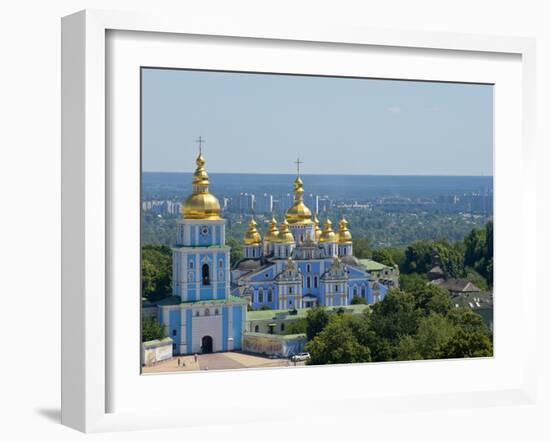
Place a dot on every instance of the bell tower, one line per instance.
(201, 258)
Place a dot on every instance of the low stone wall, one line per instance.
(273, 345)
(156, 351)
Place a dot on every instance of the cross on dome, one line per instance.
(200, 141)
(298, 162)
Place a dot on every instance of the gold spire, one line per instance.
(252, 236)
(299, 213)
(328, 234)
(318, 230)
(285, 235)
(344, 235)
(272, 231)
(201, 204)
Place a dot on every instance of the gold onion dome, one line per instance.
(252, 236)
(328, 234)
(201, 204)
(272, 231)
(344, 235)
(299, 213)
(285, 235)
(318, 230)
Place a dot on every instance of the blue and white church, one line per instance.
(298, 265)
(201, 316)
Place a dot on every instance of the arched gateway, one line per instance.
(207, 344)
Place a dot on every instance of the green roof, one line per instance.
(267, 315)
(280, 337)
(176, 300)
(373, 266)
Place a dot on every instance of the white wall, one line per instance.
(30, 213)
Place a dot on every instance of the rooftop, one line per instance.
(264, 315)
(176, 300)
(373, 266)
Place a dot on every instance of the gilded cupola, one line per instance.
(252, 236)
(299, 213)
(328, 234)
(285, 235)
(318, 230)
(344, 235)
(201, 204)
(272, 231)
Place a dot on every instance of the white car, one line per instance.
(300, 357)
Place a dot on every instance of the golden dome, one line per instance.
(285, 235)
(299, 213)
(328, 234)
(272, 231)
(318, 230)
(201, 204)
(252, 236)
(344, 235)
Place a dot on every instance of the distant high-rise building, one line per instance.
(246, 202)
(264, 203)
(312, 201)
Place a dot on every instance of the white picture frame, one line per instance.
(89, 176)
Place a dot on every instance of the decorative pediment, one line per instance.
(337, 271)
(291, 272)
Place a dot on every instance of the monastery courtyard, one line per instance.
(217, 361)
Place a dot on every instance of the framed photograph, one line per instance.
(250, 206)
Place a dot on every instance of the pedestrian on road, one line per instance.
(196, 357)
(179, 362)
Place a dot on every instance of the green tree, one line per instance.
(151, 330)
(418, 257)
(412, 282)
(362, 248)
(358, 300)
(472, 337)
(295, 327)
(156, 271)
(434, 333)
(432, 299)
(317, 319)
(396, 316)
(406, 349)
(336, 344)
(383, 256)
(236, 252)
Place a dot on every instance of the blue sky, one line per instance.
(256, 123)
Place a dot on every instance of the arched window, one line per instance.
(363, 291)
(290, 290)
(336, 288)
(269, 295)
(315, 281)
(355, 290)
(308, 268)
(308, 282)
(282, 326)
(260, 295)
(257, 328)
(220, 264)
(191, 263)
(205, 274)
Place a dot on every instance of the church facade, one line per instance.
(299, 265)
(202, 316)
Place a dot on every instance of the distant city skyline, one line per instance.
(261, 123)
